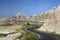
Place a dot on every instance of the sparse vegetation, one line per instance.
(58, 38)
(30, 36)
(21, 28)
(3, 35)
(6, 24)
(53, 32)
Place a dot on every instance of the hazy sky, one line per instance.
(27, 7)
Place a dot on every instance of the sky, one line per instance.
(26, 7)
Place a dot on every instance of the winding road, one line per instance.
(43, 35)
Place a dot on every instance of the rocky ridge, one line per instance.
(51, 18)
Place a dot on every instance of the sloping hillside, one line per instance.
(52, 18)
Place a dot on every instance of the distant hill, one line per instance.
(51, 18)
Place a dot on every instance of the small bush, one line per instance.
(28, 23)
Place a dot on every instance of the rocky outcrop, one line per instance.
(7, 31)
(11, 36)
(20, 17)
(53, 21)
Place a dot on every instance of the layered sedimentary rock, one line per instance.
(20, 17)
(52, 23)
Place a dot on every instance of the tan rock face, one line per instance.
(53, 23)
(20, 17)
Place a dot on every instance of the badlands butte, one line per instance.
(51, 19)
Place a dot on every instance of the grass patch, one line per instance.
(30, 36)
(3, 35)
